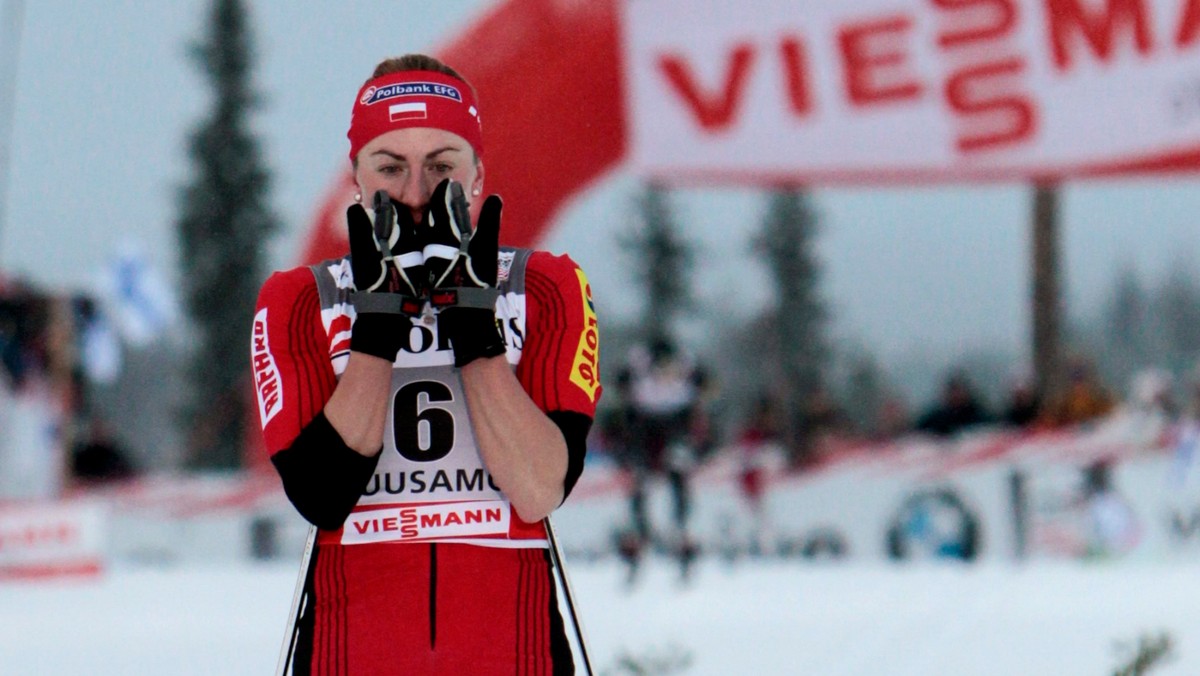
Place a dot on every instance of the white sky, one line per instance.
(106, 96)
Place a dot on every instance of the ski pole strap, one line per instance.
(385, 303)
(465, 297)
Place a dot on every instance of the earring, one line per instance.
(475, 192)
(358, 197)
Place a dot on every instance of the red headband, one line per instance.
(414, 98)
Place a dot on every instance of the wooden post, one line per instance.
(1047, 303)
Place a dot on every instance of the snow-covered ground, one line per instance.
(764, 617)
(180, 595)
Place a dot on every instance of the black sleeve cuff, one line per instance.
(575, 428)
(322, 476)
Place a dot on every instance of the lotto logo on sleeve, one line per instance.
(585, 372)
(266, 376)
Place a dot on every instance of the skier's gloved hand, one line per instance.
(400, 242)
(462, 267)
(385, 298)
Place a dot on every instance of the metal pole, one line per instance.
(285, 666)
(11, 22)
(565, 582)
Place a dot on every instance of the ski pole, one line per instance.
(289, 638)
(565, 583)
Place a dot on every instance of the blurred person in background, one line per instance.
(1153, 393)
(958, 409)
(893, 419)
(426, 402)
(758, 440)
(1084, 399)
(98, 457)
(670, 431)
(822, 424)
(1187, 440)
(20, 327)
(1149, 415)
(37, 360)
(1023, 406)
(1111, 527)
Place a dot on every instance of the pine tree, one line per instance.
(1127, 346)
(1177, 304)
(223, 228)
(798, 315)
(662, 261)
(866, 392)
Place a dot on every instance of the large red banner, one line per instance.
(912, 90)
(818, 91)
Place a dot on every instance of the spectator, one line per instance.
(755, 442)
(21, 329)
(1084, 399)
(959, 408)
(1024, 405)
(1152, 394)
(1188, 434)
(893, 418)
(99, 457)
(820, 423)
(1149, 415)
(1112, 527)
(37, 402)
(823, 417)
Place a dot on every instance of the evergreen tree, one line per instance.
(662, 261)
(223, 228)
(866, 392)
(1128, 345)
(798, 316)
(1177, 305)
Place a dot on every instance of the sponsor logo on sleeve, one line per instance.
(585, 372)
(266, 376)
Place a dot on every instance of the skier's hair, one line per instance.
(400, 64)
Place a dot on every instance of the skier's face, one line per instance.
(409, 163)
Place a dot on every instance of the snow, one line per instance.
(748, 617)
(180, 594)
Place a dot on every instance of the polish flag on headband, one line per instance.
(408, 111)
(415, 98)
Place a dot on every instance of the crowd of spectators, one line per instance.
(660, 404)
(1082, 399)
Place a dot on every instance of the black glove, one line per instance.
(397, 237)
(462, 271)
(385, 257)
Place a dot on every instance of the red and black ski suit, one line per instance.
(432, 571)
